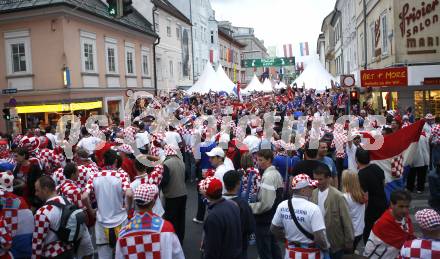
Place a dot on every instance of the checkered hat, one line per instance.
(428, 219)
(119, 141)
(127, 149)
(129, 134)
(301, 181)
(30, 143)
(145, 194)
(210, 185)
(169, 151)
(6, 181)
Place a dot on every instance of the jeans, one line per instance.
(190, 166)
(435, 155)
(337, 255)
(266, 243)
(420, 173)
(201, 207)
(175, 213)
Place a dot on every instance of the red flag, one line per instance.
(290, 51)
(285, 50)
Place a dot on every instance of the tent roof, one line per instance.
(254, 85)
(315, 76)
(281, 85)
(267, 86)
(207, 81)
(226, 84)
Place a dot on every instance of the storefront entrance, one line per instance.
(427, 102)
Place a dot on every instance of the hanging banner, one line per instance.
(385, 77)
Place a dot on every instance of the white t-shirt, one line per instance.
(351, 155)
(252, 142)
(308, 215)
(229, 164)
(357, 214)
(173, 139)
(89, 144)
(109, 187)
(322, 197)
(220, 171)
(51, 137)
(142, 139)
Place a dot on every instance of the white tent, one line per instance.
(207, 81)
(281, 85)
(254, 85)
(267, 86)
(315, 76)
(226, 84)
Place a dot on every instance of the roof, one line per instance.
(171, 9)
(134, 20)
(224, 33)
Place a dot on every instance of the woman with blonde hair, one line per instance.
(356, 200)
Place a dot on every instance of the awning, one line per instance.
(59, 107)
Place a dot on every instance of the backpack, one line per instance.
(71, 222)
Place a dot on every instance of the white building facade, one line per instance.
(174, 52)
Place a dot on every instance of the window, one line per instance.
(18, 52)
(130, 59)
(384, 34)
(169, 28)
(196, 66)
(111, 55)
(180, 70)
(221, 52)
(178, 31)
(156, 22)
(145, 61)
(159, 68)
(212, 37)
(88, 45)
(171, 69)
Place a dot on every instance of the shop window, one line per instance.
(419, 104)
(434, 102)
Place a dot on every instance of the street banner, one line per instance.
(384, 77)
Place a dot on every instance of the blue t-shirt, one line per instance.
(331, 164)
(280, 162)
(204, 159)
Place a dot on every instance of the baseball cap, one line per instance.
(428, 219)
(216, 152)
(210, 185)
(301, 181)
(145, 193)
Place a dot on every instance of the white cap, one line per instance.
(216, 152)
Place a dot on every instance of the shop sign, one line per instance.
(432, 81)
(419, 26)
(384, 77)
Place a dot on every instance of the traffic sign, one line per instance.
(12, 102)
(9, 91)
(268, 62)
(347, 80)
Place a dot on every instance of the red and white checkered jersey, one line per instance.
(148, 236)
(435, 134)
(109, 187)
(71, 191)
(5, 238)
(45, 243)
(420, 249)
(84, 175)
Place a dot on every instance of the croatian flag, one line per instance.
(304, 48)
(397, 152)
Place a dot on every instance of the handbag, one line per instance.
(298, 225)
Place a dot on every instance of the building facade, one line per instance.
(230, 55)
(254, 47)
(327, 49)
(403, 33)
(174, 52)
(66, 58)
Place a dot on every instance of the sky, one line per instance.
(278, 22)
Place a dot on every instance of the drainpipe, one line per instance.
(154, 51)
(192, 39)
(365, 35)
